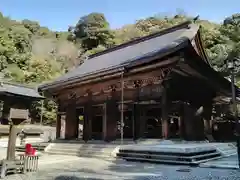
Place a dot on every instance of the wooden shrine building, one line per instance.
(163, 82)
(17, 97)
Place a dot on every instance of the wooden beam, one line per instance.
(141, 69)
(101, 91)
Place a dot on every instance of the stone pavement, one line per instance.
(230, 162)
(76, 168)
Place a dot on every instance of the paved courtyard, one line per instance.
(230, 162)
(56, 167)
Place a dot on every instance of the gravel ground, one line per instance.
(74, 168)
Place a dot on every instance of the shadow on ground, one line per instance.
(74, 178)
(118, 170)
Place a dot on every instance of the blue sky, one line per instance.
(59, 14)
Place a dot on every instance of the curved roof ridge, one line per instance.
(19, 90)
(17, 84)
(144, 38)
(200, 47)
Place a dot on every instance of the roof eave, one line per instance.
(5, 93)
(147, 58)
(103, 72)
(213, 74)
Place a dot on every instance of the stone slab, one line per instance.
(170, 148)
(230, 162)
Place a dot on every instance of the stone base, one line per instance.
(167, 152)
(171, 148)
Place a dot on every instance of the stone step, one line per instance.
(226, 149)
(172, 161)
(170, 157)
(83, 150)
(105, 150)
(170, 153)
(22, 149)
(99, 148)
(229, 152)
(80, 151)
(99, 142)
(37, 146)
(82, 146)
(159, 161)
(59, 152)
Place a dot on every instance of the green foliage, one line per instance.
(46, 108)
(32, 54)
(91, 31)
(231, 29)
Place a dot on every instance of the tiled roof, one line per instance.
(19, 90)
(125, 54)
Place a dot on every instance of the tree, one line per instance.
(23, 59)
(32, 26)
(231, 29)
(91, 31)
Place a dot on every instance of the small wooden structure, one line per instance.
(21, 97)
(157, 86)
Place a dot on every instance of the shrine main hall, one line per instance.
(158, 86)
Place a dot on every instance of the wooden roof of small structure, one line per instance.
(11, 89)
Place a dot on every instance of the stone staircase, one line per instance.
(106, 151)
(170, 154)
(31, 140)
(226, 149)
(166, 152)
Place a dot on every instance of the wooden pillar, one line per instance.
(136, 121)
(105, 125)
(111, 115)
(5, 112)
(12, 142)
(194, 125)
(138, 115)
(71, 128)
(164, 109)
(58, 126)
(12, 134)
(198, 128)
(87, 123)
(207, 114)
(181, 127)
(58, 123)
(188, 118)
(182, 122)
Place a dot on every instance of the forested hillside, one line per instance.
(32, 54)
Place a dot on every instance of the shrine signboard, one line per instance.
(153, 91)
